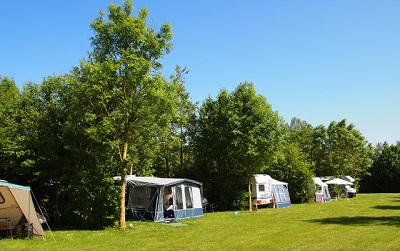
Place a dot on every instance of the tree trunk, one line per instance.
(124, 169)
(167, 166)
(249, 192)
(122, 222)
(181, 154)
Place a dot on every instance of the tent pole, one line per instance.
(41, 213)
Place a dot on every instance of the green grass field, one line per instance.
(366, 222)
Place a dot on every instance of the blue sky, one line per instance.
(320, 61)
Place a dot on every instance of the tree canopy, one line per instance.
(123, 98)
(237, 136)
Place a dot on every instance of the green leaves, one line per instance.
(124, 101)
(342, 150)
(238, 134)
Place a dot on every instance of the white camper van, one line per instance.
(266, 191)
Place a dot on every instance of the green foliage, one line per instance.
(9, 140)
(173, 157)
(29, 113)
(341, 150)
(384, 173)
(291, 166)
(122, 98)
(236, 136)
(90, 202)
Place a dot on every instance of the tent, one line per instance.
(264, 186)
(161, 199)
(339, 190)
(17, 210)
(281, 193)
(322, 191)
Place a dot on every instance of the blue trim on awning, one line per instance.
(7, 184)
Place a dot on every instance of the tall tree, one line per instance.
(214, 163)
(9, 144)
(122, 95)
(383, 174)
(256, 131)
(303, 133)
(294, 161)
(342, 150)
(238, 136)
(173, 155)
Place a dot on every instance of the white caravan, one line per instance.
(266, 191)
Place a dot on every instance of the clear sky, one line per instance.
(320, 61)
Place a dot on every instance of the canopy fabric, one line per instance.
(338, 181)
(152, 181)
(319, 182)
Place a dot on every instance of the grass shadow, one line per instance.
(386, 207)
(360, 221)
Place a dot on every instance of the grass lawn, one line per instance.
(366, 222)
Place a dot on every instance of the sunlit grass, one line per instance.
(366, 222)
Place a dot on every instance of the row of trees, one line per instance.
(116, 114)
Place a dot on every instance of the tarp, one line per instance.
(16, 205)
(154, 198)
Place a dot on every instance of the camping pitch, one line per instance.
(17, 211)
(163, 199)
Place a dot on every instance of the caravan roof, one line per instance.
(264, 178)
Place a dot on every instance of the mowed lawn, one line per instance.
(366, 222)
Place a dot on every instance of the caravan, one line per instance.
(266, 191)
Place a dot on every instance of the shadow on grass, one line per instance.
(360, 221)
(387, 207)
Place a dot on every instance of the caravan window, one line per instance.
(196, 195)
(188, 197)
(139, 197)
(178, 197)
(261, 188)
(2, 200)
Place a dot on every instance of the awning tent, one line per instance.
(281, 193)
(17, 208)
(322, 191)
(158, 199)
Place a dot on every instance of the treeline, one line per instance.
(116, 114)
